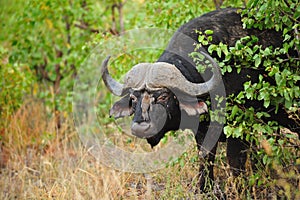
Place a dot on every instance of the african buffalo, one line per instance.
(159, 94)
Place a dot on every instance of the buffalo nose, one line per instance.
(139, 129)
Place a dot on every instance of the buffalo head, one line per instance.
(157, 95)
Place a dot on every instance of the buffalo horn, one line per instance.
(114, 87)
(197, 89)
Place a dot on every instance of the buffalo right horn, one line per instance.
(114, 87)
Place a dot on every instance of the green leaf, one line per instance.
(227, 131)
(265, 159)
(288, 103)
(164, 140)
(257, 61)
(229, 69)
(287, 37)
(209, 32)
(234, 110)
(211, 48)
(181, 162)
(201, 38)
(286, 94)
(267, 103)
(278, 79)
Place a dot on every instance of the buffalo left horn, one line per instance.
(114, 87)
(197, 89)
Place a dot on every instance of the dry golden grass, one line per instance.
(41, 162)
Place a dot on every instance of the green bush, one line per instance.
(275, 149)
(15, 82)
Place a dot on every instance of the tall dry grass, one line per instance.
(41, 162)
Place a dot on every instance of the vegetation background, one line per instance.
(43, 43)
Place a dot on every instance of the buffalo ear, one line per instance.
(121, 108)
(194, 108)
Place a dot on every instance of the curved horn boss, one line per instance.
(160, 75)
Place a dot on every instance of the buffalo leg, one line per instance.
(206, 172)
(236, 155)
(283, 119)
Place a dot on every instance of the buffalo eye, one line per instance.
(133, 102)
(133, 98)
(163, 98)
